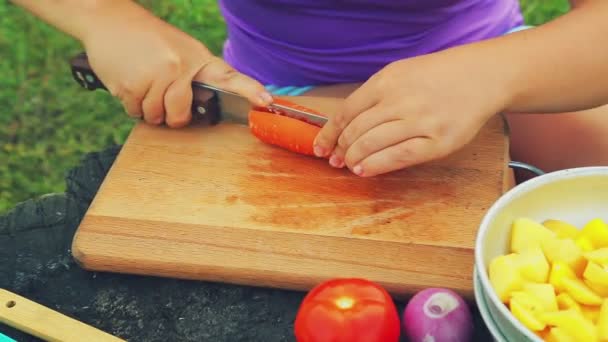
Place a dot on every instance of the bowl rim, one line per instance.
(509, 196)
(484, 311)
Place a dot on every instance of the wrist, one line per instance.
(492, 80)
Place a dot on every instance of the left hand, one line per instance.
(412, 111)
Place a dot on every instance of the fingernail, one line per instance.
(319, 151)
(358, 170)
(335, 161)
(265, 97)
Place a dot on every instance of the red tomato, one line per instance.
(347, 310)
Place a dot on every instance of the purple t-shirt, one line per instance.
(312, 42)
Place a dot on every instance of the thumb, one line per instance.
(218, 73)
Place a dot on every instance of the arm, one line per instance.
(557, 67)
(77, 17)
(148, 64)
(424, 108)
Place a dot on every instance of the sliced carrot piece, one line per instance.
(288, 133)
(282, 131)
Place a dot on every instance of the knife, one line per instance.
(209, 103)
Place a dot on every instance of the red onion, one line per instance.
(437, 315)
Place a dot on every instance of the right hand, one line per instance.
(149, 66)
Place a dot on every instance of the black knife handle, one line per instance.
(205, 103)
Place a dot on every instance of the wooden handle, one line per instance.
(42, 322)
(205, 104)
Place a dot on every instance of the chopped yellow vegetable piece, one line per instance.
(597, 288)
(591, 312)
(545, 293)
(584, 244)
(527, 233)
(562, 229)
(554, 279)
(567, 251)
(581, 292)
(559, 271)
(596, 274)
(602, 321)
(505, 275)
(533, 265)
(572, 323)
(565, 302)
(599, 256)
(526, 310)
(596, 232)
(558, 335)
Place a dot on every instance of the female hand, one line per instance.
(149, 65)
(412, 111)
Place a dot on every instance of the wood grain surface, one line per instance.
(45, 323)
(214, 203)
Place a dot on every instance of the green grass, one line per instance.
(48, 122)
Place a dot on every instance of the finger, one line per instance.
(364, 97)
(130, 94)
(363, 123)
(408, 153)
(153, 104)
(359, 101)
(336, 159)
(178, 103)
(325, 141)
(218, 73)
(378, 138)
(132, 106)
(358, 126)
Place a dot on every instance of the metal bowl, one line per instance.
(574, 195)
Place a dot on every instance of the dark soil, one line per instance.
(35, 262)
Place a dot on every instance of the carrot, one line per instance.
(282, 131)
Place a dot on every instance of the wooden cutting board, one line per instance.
(214, 203)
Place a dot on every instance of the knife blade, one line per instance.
(209, 103)
(276, 108)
